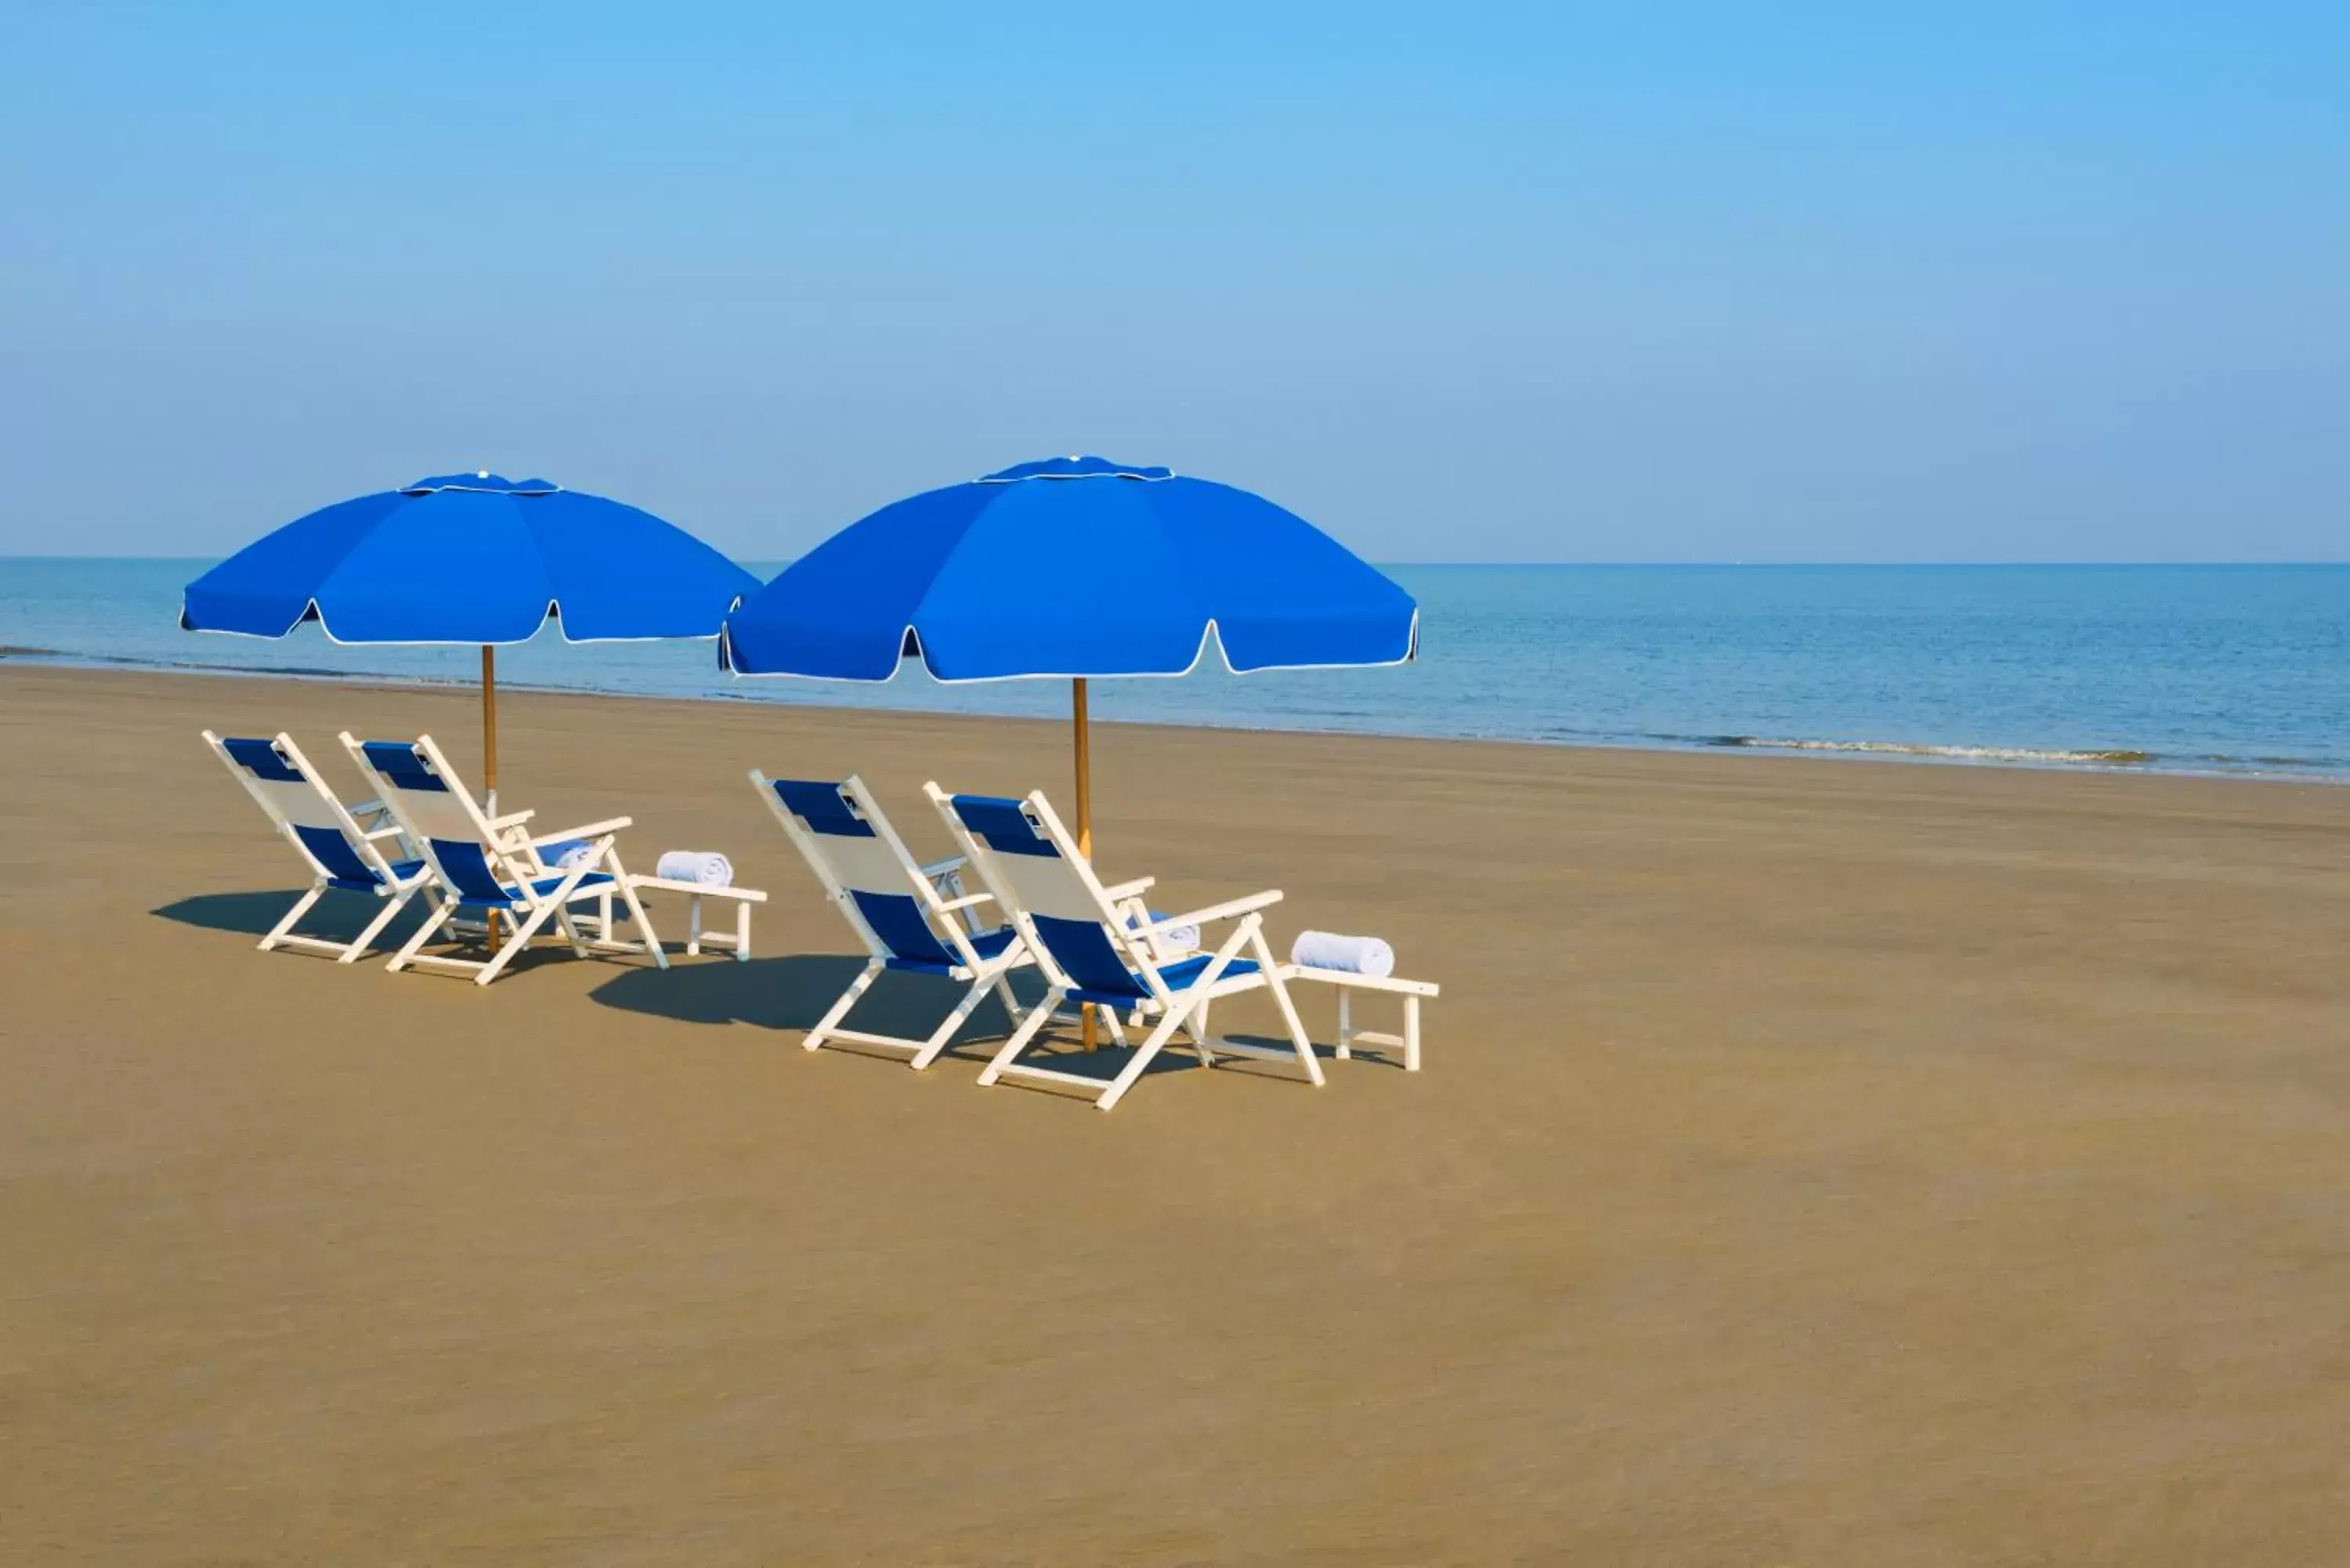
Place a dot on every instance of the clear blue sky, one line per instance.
(1545, 283)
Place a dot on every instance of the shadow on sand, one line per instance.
(794, 993)
(338, 917)
(780, 993)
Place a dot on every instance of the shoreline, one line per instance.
(2124, 761)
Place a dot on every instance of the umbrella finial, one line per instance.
(481, 473)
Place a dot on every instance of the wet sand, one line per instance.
(1816, 1162)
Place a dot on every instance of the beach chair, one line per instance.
(911, 917)
(348, 850)
(491, 868)
(1097, 948)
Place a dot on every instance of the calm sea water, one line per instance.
(2235, 669)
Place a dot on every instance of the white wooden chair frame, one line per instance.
(532, 891)
(328, 814)
(949, 914)
(1138, 945)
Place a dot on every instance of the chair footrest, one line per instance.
(1372, 1038)
(1054, 1076)
(859, 1037)
(438, 960)
(310, 944)
(1259, 1053)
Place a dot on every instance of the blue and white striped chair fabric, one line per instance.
(1098, 961)
(493, 868)
(877, 880)
(911, 918)
(343, 855)
(475, 879)
(1097, 948)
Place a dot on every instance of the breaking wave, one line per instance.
(2119, 757)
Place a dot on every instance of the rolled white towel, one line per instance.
(566, 852)
(706, 866)
(1348, 955)
(1183, 938)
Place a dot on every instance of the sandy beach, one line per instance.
(1816, 1161)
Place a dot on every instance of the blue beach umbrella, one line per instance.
(1073, 568)
(472, 558)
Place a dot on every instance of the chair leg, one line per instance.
(524, 931)
(1182, 1012)
(1297, 1035)
(570, 926)
(1151, 1046)
(1201, 1046)
(1020, 1036)
(1196, 1027)
(945, 1032)
(410, 948)
(301, 907)
(645, 931)
(392, 905)
(1004, 994)
(831, 1020)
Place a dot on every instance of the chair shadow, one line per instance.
(1062, 1050)
(794, 992)
(338, 917)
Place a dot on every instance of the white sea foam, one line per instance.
(2029, 756)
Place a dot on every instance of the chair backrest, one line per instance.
(846, 837)
(448, 826)
(283, 782)
(1030, 862)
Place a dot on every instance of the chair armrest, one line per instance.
(1128, 889)
(512, 819)
(1230, 908)
(965, 902)
(392, 832)
(593, 830)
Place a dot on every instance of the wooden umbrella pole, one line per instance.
(1085, 812)
(490, 725)
(1085, 769)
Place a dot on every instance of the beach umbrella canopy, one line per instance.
(472, 558)
(1073, 568)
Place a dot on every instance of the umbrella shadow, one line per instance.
(794, 993)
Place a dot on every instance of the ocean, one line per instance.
(2238, 669)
